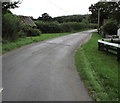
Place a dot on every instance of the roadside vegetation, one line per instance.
(16, 32)
(98, 71)
(8, 46)
(15, 36)
(55, 27)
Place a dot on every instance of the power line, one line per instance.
(57, 6)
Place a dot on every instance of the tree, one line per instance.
(6, 6)
(108, 10)
(70, 18)
(10, 27)
(110, 27)
(46, 17)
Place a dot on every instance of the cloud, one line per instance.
(53, 7)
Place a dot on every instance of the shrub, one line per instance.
(55, 27)
(10, 27)
(93, 26)
(35, 32)
(49, 27)
(110, 27)
(21, 33)
(72, 26)
(30, 31)
(65, 27)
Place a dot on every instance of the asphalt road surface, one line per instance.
(45, 71)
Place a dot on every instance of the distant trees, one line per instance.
(69, 23)
(70, 18)
(62, 19)
(45, 17)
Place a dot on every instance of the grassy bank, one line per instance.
(98, 71)
(27, 40)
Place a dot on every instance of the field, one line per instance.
(98, 71)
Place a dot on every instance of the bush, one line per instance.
(65, 27)
(55, 27)
(10, 27)
(49, 27)
(110, 27)
(35, 32)
(21, 34)
(93, 26)
(30, 31)
(73, 26)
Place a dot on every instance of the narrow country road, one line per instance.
(45, 71)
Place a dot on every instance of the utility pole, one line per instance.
(98, 18)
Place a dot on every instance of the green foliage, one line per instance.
(108, 10)
(21, 34)
(55, 27)
(85, 21)
(27, 40)
(62, 19)
(110, 27)
(10, 5)
(6, 6)
(35, 32)
(98, 70)
(48, 27)
(30, 31)
(45, 17)
(70, 18)
(10, 27)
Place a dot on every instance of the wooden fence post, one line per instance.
(118, 54)
(107, 49)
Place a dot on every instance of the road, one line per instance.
(45, 71)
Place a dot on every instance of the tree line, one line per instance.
(62, 19)
(109, 21)
(13, 28)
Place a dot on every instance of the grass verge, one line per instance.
(27, 40)
(98, 71)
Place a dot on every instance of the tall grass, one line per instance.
(7, 46)
(98, 70)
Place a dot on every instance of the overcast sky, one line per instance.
(53, 7)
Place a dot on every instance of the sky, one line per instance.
(54, 8)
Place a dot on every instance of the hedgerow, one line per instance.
(55, 27)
